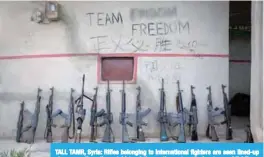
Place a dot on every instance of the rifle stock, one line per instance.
(65, 135)
(214, 136)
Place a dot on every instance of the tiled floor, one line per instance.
(41, 148)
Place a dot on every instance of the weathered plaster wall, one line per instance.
(172, 52)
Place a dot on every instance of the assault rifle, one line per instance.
(123, 117)
(249, 138)
(212, 113)
(94, 115)
(49, 123)
(193, 121)
(227, 114)
(20, 122)
(69, 120)
(139, 117)
(32, 126)
(165, 119)
(182, 116)
(108, 119)
(81, 112)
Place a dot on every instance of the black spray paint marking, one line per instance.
(155, 67)
(118, 44)
(160, 28)
(152, 66)
(152, 13)
(162, 44)
(155, 71)
(190, 46)
(137, 45)
(104, 19)
(99, 43)
(168, 78)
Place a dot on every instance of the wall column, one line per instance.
(256, 102)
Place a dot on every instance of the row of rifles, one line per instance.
(76, 114)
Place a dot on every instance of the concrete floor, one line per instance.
(41, 148)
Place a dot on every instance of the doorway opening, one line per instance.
(240, 64)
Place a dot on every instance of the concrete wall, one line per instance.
(239, 66)
(34, 55)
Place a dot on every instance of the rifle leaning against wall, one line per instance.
(108, 119)
(20, 122)
(182, 115)
(139, 118)
(49, 123)
(34, 122)
(69, 120)
(193, 121)
(165, 119)
(94, 116)
(212, 113)
(249, 138)
(227, 114)
(124, 116)
(81, 112)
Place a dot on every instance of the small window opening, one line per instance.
(117, 68)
